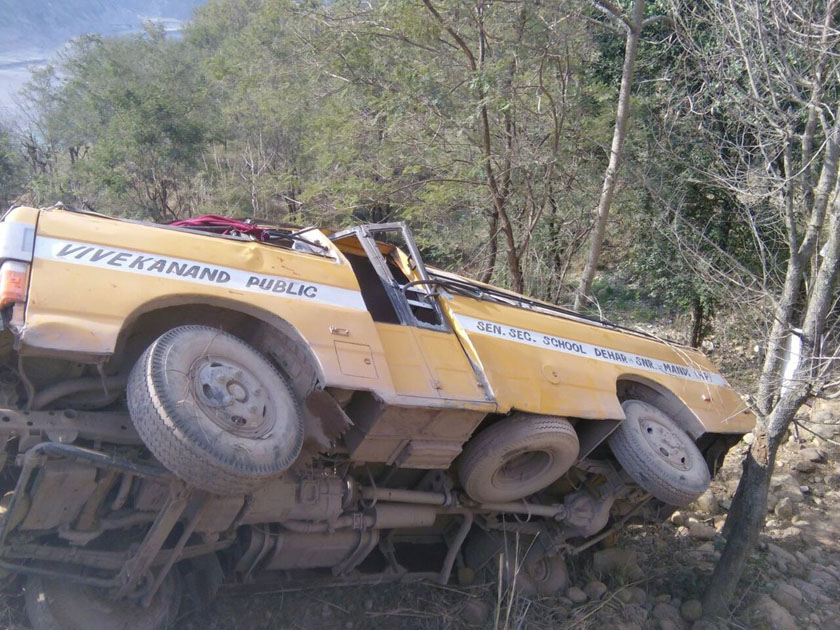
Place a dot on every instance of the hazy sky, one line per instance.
(33, 31)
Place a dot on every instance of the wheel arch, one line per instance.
(634, 387)
(714, 446)
(270, 333)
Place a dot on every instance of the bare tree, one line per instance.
(761, 84)
(632, 25)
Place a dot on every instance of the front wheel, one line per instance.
(214, 411)
(659, 455)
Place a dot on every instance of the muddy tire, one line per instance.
(517, 456)
(659, 455)
(64, 605)
(214, 411)
(528, 570)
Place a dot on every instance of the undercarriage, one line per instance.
(102, 513)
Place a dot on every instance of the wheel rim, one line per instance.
(232, 397)
(522, 466)
(666, 443)
(540, 570)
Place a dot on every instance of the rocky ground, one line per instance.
(651, 577)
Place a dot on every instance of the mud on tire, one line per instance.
(214, 411)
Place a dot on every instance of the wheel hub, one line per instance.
(232, 397)
(666, 443)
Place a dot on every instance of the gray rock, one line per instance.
(787, 595)
(708, 503)
(804, 466)
(765, 612)
(704, 624)
(639, 594)
(748, 438)
(614, 560)
(784, 508)
(782, 554)
(814, 554)
(701, 531)
(691, 610)
(811, 455)
(667, 616)
(784, 485)
(576, 595)
(595, 590)
(821, 578)
(476, 612)
(811, 592)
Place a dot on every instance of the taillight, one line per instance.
(13, 282)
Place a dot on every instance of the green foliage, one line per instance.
(11, 168)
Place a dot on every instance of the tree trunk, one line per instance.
(698, 317)
(493, 244)
(634, 32)
(749, 507)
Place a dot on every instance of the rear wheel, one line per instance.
(517, 456)
(526, 567)
(659, 455)
(62, 605)
(214, 411)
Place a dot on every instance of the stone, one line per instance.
(614, 560)
(814, 554)
(708, 503)
(704, 624)
(476, 612)
(765, 612)
(639, 594)
(784, 485)
(811, 455)
(701, 531)
(748, 438)
(787, 595)
(811, 592)
(691, 610)
(782, 554)
(667, 615)
(804, 466)
(624, 596)
(635, 614)
(821, 578)
(707, 547)
(678, 518)
(576, 595)
(595, 590)
(784, 508)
